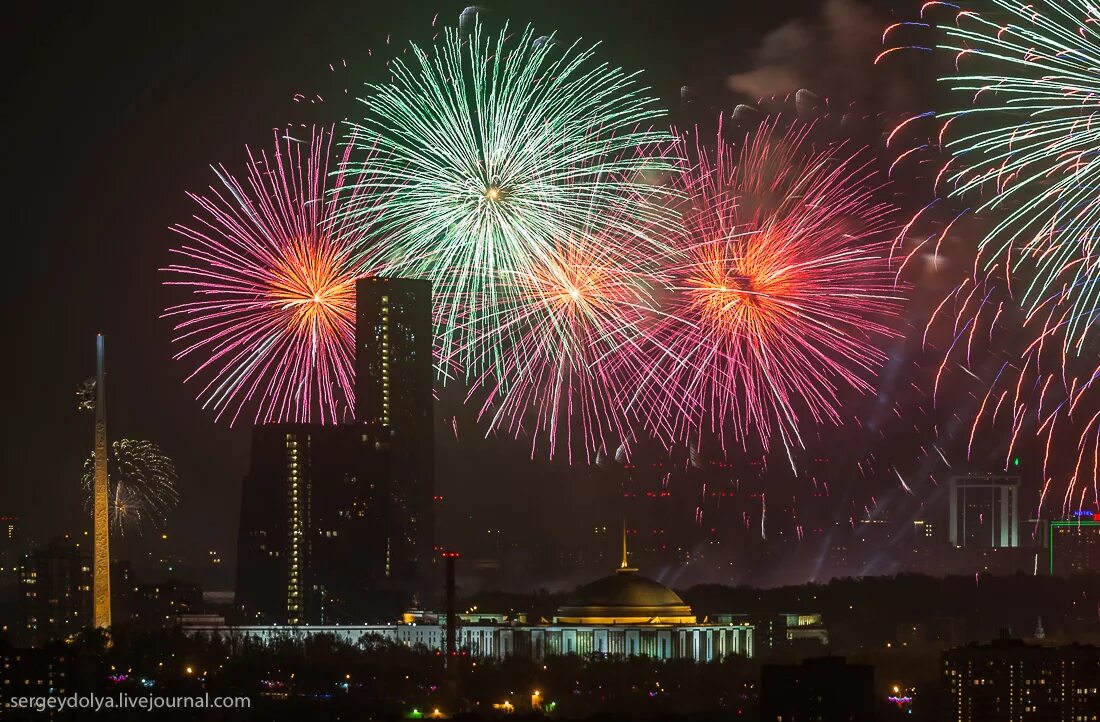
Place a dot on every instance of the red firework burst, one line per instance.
(780, 290)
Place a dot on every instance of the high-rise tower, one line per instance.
(336, 520)
(393, 398)
(311, 545)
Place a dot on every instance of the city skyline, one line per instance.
(883, 462)
(574, 360)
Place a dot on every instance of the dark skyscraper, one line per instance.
(393, 393)
(311, 547)
(336, 521)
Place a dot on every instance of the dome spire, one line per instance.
(624, 565)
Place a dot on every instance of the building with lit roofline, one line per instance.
(984, 511)
(622, 614)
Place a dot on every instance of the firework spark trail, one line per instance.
(1019, 140)
(490, 151)
(1023, 133)
(142, 484)
(1046, 387)
(577, 319)
(781, 289)
(272, 275)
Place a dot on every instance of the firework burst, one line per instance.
(489, 152)
(779, 291)
(1021, 133)
(1017, 141)
(272, 276)
(577, 317)
(141, 484)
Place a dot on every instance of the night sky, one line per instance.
(114, 111)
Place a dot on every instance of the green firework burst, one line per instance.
(1028, 138)
(484, 152)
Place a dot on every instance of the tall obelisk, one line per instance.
(101, 581)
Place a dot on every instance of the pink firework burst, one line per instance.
(575, 325)
(271, 271)
(781, 290)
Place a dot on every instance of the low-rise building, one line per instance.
(1009, 679)
(623, 614)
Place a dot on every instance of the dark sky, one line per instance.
(115, 109)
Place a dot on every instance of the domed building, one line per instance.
(630, 615)
(622, 614)
(625, 598)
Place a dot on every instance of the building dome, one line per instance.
(625, 598)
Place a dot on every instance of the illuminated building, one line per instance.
(36, 672)
(9, 532)
(337, 520)
(56, 592)
(1075, 546)
(1008, 679)
(393, 404)
(924, 533)
(805, 628)
(311, 545)
(625, 598)
(823, 688)
(984, 511)
(789, 628)
(928, 550)
(11, 556)
(623, 614)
